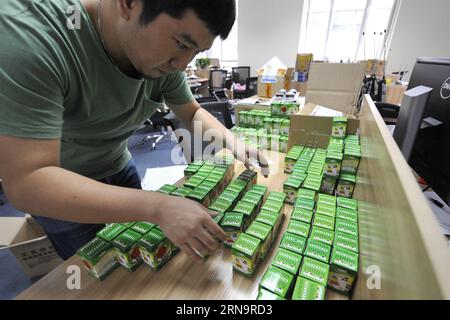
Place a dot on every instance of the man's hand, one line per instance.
(251, 157)
(190, 226)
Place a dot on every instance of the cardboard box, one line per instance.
(335, 85)
(303, 62)
(29, 244)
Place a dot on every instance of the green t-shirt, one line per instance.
(58, 83)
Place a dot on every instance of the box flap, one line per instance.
(340, 101)
(9, 228)
(339, 77)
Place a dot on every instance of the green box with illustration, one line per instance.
(245, 254)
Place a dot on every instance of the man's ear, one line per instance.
(128, 8)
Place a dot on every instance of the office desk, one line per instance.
(200, 84)
(399, 237)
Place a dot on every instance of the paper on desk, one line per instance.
(155, 178)
(320, 111)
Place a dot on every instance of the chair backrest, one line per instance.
(251, 87)
(217, 79)
(240, 74)
(221, 111)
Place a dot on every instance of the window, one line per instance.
(334, 29)
(224, 50)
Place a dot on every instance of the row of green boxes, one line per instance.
(126, 244)
(319, 250)
(258, 119)
(262, 139)
(253, 244)
(284, 104)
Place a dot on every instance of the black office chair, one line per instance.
(389, 112)
(240, 76)
(161, 119)
(217, 85)
(220, 110)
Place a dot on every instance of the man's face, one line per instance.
(164, 45)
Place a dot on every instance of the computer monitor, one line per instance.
(430, 156)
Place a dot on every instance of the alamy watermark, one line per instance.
(73, 21)
(73, 281)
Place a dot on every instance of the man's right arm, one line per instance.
(34, 183)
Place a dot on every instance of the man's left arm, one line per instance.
(192, 114)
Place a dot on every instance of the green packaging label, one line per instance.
(318, 250)
(293, 243)
(277, 281)
(298, 228)
(324, 222)
(302, 215)
(322, 235)
(346, 241)
(111, 231)
(315, 270)
(308, 290)
(287, 261)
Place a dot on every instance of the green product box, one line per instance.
(142, 227)
(326, 209)
(325, 222)
(252, 197)
(347, 214)
(167, 188)
(271, 219)
(191, 170)
(262, 232)
(155, 249)
(221, 205)
(315, 169)
(290, 187)
(298, 175)
(201, 174)
(287, 260)
(303, 203)
(98, 258)
(249, 177)
(248, 210)
(300, 167)
(346, 241)
(283, 143)
(127, 224)
(343, 271)
(318, 250)
(339, 128)
(347, 203)
(299, 228)
(111, 231)
(289, 163)
(193, 182)
(236, 186)
(322, 235)
(350, 162)
(314, 270)
(233, 225)
(326, 199)
(127, 249)
(201, 196)
(277, 281)
(266, 295)
(272, 206)
(243, 118)
(264, 141)
(293, 243)
(328, 185)
(277, 197)
(259, 189)
(285, 124)
(346, 226)
(346, 185)
(181, 192)
(275, 142)
(302, 215)
(307, 194)
(218, 219)
(268, 124)
(333, 163)
(207, 168)
(308, 290)
(245, 254)
(313, 182)
(229, 196)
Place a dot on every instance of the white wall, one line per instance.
(268, 28)
(423, 29)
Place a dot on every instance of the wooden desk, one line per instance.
(398, 234)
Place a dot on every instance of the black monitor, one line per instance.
(430, 156)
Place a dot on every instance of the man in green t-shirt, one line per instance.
(77, 78)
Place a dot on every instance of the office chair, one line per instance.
(240, 76)
(217, 83)
(389, 112)
(162, 119)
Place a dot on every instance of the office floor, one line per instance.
(12, 279)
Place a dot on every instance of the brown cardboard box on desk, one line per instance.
(335, 85)
(29, 244)
(272, 77)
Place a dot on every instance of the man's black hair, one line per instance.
(218, 15)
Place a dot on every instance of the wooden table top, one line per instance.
(180, 278)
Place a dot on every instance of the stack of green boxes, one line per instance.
(305, 170)
(264, 131)
(253, 245)
(318, 250)
(349, 169)
(126, 244)
(284, 105)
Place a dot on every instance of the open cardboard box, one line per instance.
(29, 244)
(315, 131)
